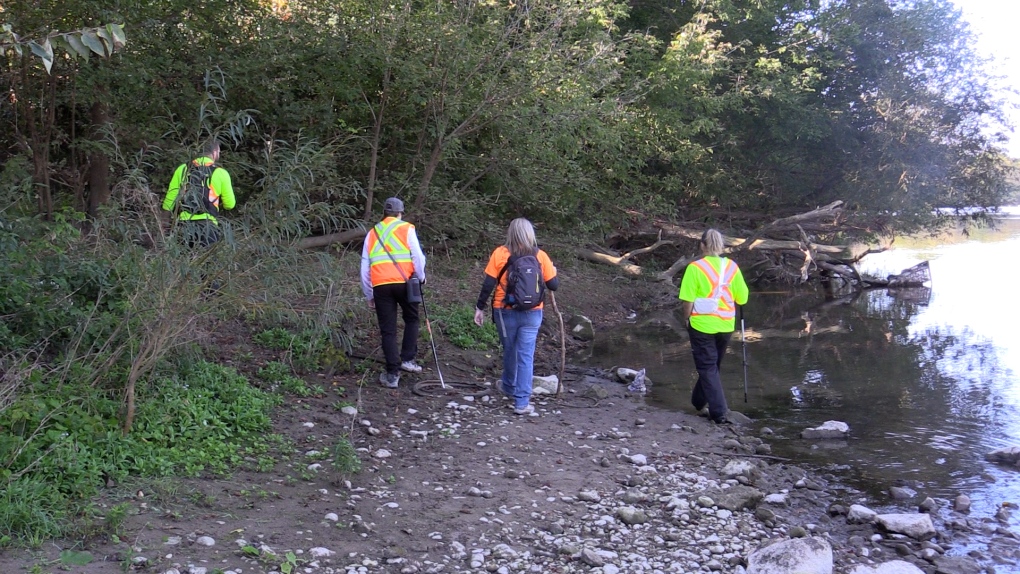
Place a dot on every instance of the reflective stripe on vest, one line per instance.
(389, 236)
(720, 287)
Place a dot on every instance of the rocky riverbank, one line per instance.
(453, 481)
(595, 482)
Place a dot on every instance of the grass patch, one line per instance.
(457, 323)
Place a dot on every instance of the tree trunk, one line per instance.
(99, 163)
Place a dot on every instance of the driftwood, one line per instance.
(324, 240)
(786, 248)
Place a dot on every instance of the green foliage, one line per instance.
(457, 324)
(205, 418)
(344, 458)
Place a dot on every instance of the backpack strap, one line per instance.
(499, 276)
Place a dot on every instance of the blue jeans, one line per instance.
(518, 332)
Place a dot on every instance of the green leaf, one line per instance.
(44, 51)
(117, 32)
(107, 38)
(93, 42)
(73, 558)
(74, 40)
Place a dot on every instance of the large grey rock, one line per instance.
(894, 567)
(1009, 456)
(801, 555)
(828, 430)
(860, 514)
(916, 526)
(580, 328)
(631, 516)
(735, 468)
(962, 503)
(957, 565)
(545, 385)
(736, 498)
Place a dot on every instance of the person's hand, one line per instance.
(422, 281)
(371, 303)
(479, 317)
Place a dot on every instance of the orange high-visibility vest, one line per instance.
(726, 309)
(389, 238)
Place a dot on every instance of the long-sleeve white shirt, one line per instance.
(417, 258)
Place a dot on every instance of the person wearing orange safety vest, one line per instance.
(711, 289)
(390, 256)
(197, 191)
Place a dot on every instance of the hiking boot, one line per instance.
(410, 367)
(527, 410)
(389, 380)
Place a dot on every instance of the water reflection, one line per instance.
(927, 379)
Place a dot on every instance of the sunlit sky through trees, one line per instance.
(995, 24)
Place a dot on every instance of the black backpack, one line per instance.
(195, 186)
(525, 286)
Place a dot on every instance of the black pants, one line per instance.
(200, 233)
(708, 351)
(387, 299)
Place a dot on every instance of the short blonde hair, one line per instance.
(712, 242)
(520, 238)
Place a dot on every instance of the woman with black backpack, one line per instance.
(519, 272)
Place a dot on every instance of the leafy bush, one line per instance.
(64, 439)
(307, 350)
(457, 323)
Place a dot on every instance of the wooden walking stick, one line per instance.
(563, 345)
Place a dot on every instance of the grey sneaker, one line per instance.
(410, 367)
(389, 380)
(524, 411)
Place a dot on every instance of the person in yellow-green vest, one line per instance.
(198, 191)
(711, 289)
(391, 255)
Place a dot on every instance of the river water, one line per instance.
(927, 379)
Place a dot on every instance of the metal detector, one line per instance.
(743, 348)
(432, 339)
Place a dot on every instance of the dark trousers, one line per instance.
(387, 299)
(708, 351)
(200, 233)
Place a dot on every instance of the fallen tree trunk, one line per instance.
(324, 240)
(787, 248)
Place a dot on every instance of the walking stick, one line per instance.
(563, 345)
(432, 339)
(743, 348)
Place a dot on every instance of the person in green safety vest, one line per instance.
(197, 192)
(710, 291)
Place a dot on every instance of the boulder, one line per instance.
(736, 498)
(894, 567)
(581, 328)
(860, 514)
(916, 526)
(735, 468)
(957, 565)
(801, 555)
(961, 503)
(545, 385)
(624, 375)
(1008, 456)
(828, 430)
